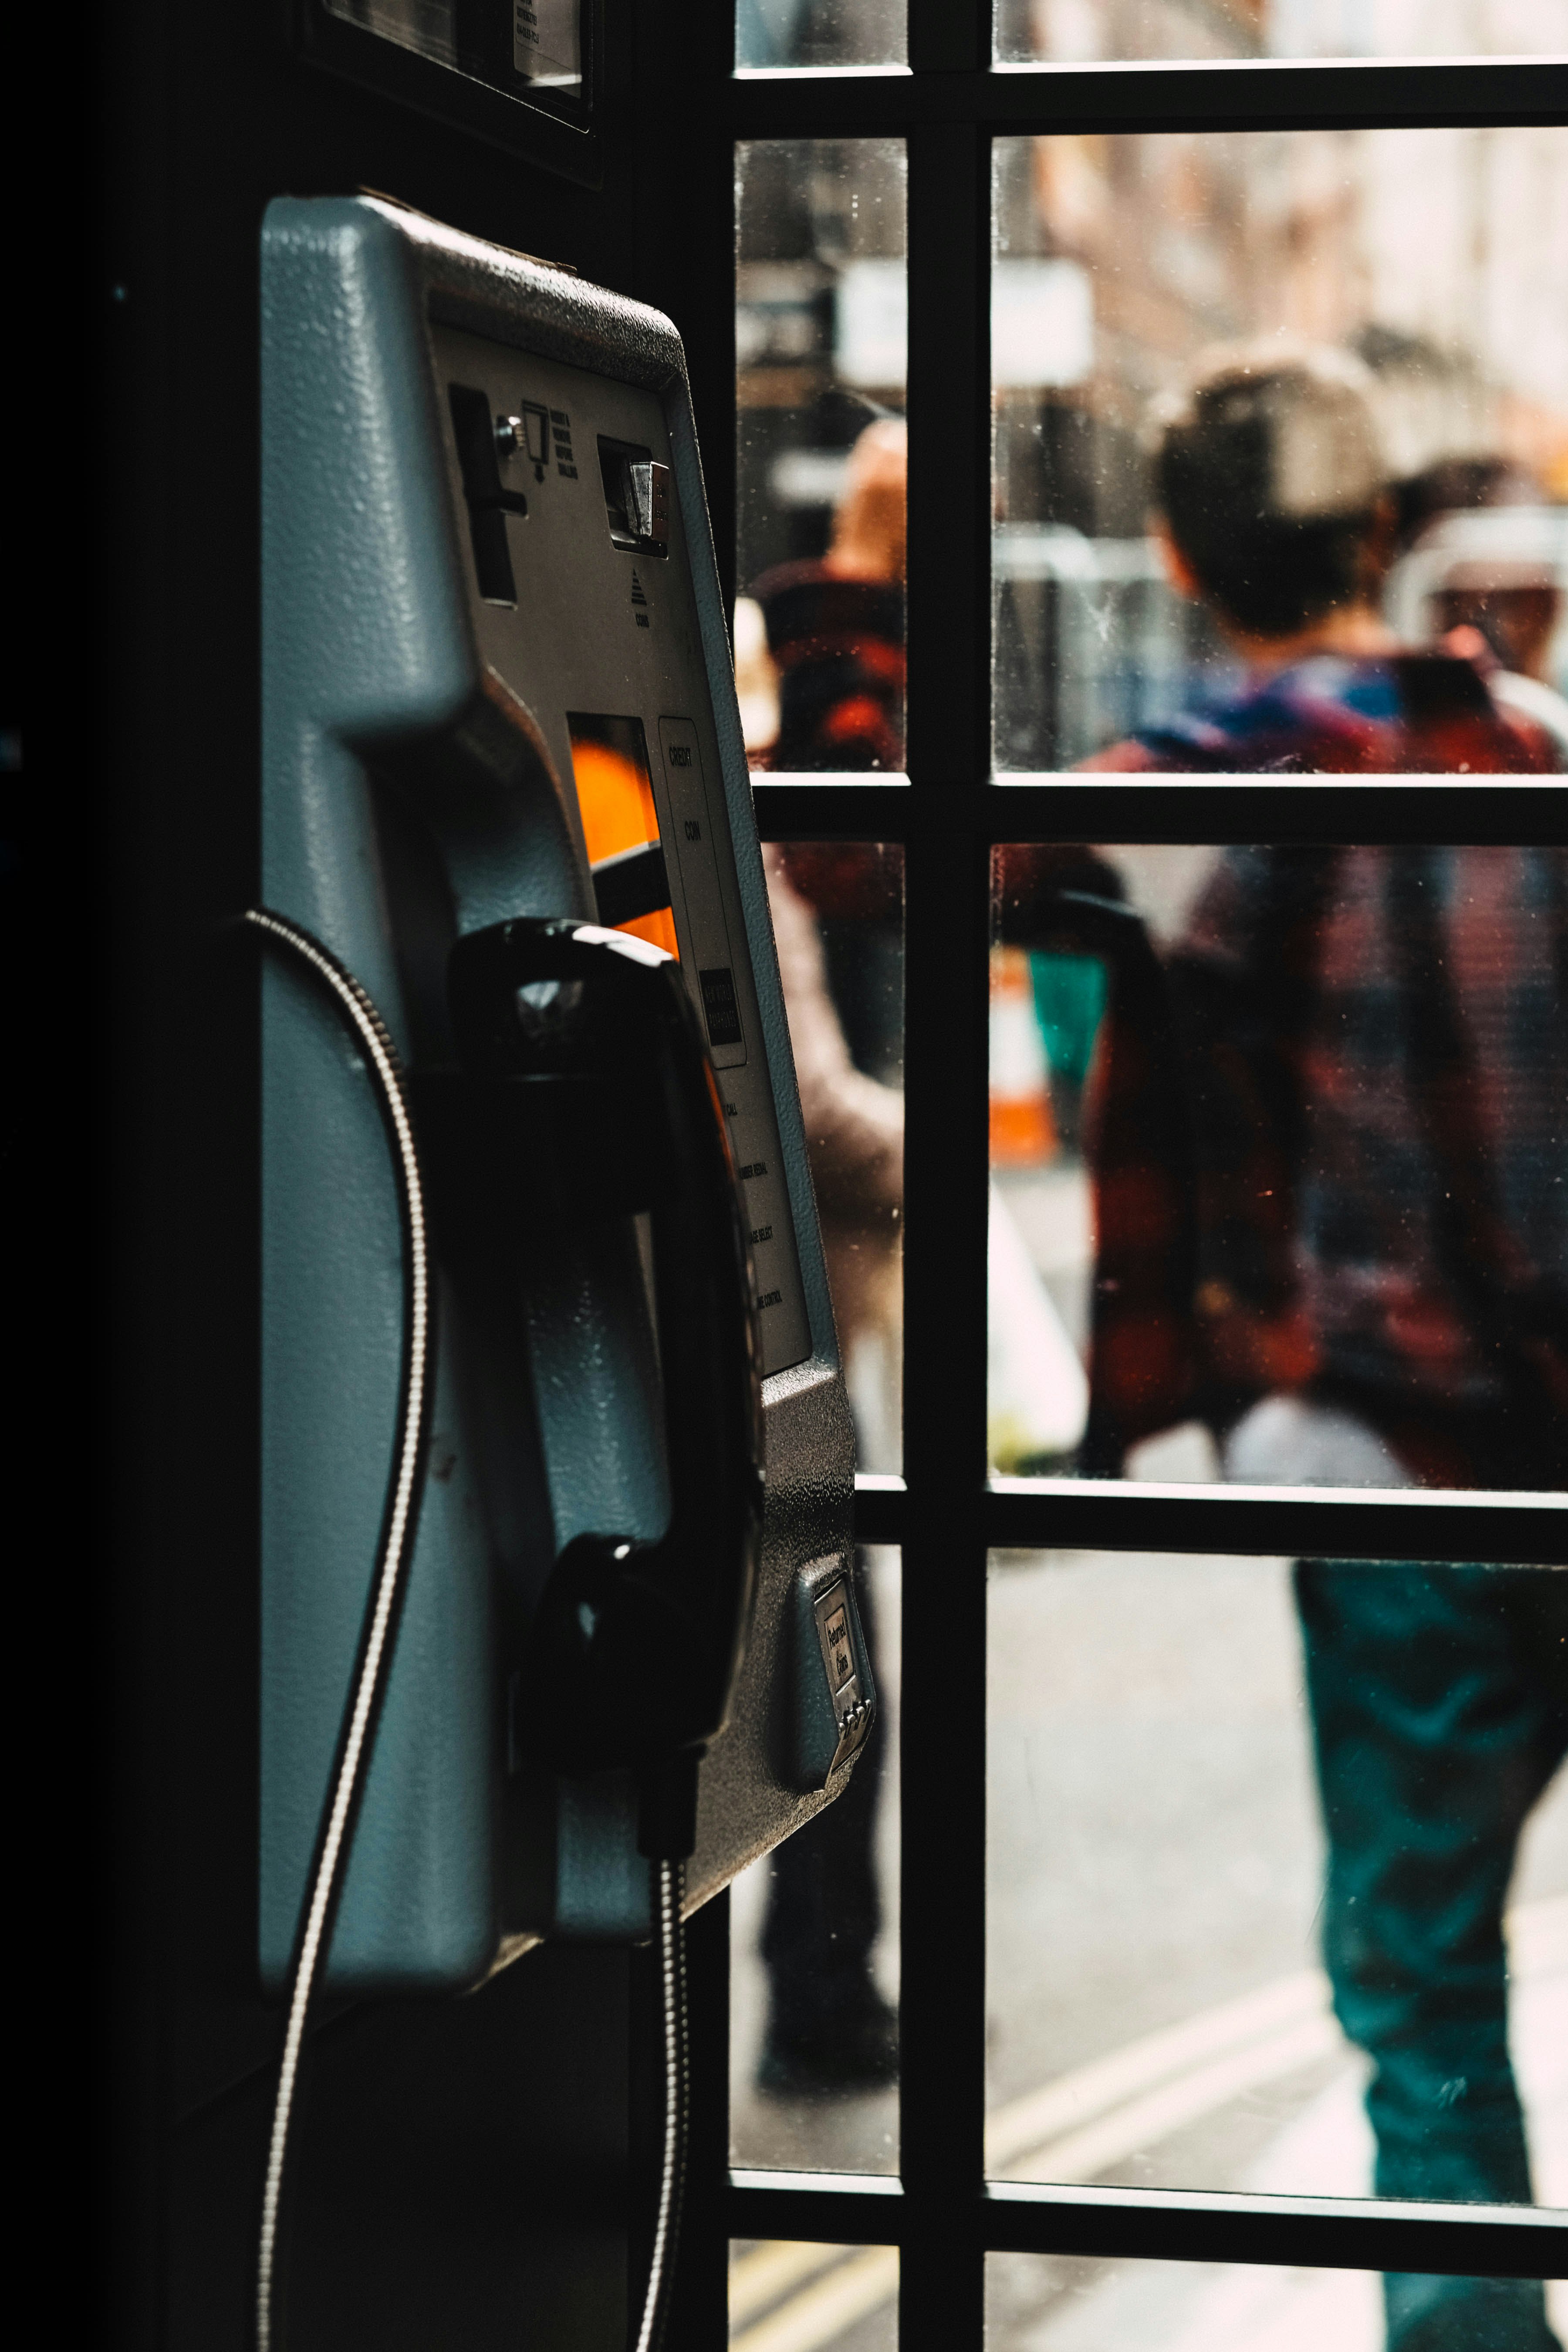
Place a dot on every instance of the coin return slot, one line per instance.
(636, 496)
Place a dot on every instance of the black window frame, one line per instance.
(947, 1515)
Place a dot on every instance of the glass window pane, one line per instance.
(1042, 2303)
(779, 36)
(814, 1967)
(1267, 401)
(821, 330)
(1171, 1931)
(1277, 1147)
(1087, 32)
(787, 2297)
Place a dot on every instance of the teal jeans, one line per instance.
(1440, 1706)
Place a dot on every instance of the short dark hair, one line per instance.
(1271, 557)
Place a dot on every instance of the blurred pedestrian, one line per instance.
(835, 623)
(835, 631)
(1375, 1045)
(830, 2031)
(1481, 570)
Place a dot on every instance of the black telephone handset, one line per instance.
(583, 1088)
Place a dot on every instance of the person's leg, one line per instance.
(829, 2027)
(1437, 1722)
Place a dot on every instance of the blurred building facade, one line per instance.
(820, 330)
(1075, 32)
(1433, 254)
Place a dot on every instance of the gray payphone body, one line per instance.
(493, 635)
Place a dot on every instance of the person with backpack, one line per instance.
(1361, 1196)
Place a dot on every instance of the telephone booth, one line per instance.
(498, 387)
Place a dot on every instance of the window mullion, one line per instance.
(943, 1988)
(950, 35)
(1273, 94)
(1080, 807)
(950, 456)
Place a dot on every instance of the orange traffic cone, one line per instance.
(1023, 1132)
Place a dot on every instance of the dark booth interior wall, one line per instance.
(425, 2128)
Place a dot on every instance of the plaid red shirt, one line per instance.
(1358, 1185)
(1377, 1049)
(1402, 714)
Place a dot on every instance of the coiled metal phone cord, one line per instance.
(671, 1886)
(370, 1682)
(363, 1708)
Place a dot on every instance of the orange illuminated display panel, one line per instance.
(620, 827)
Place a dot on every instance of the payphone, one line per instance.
(507, 820)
